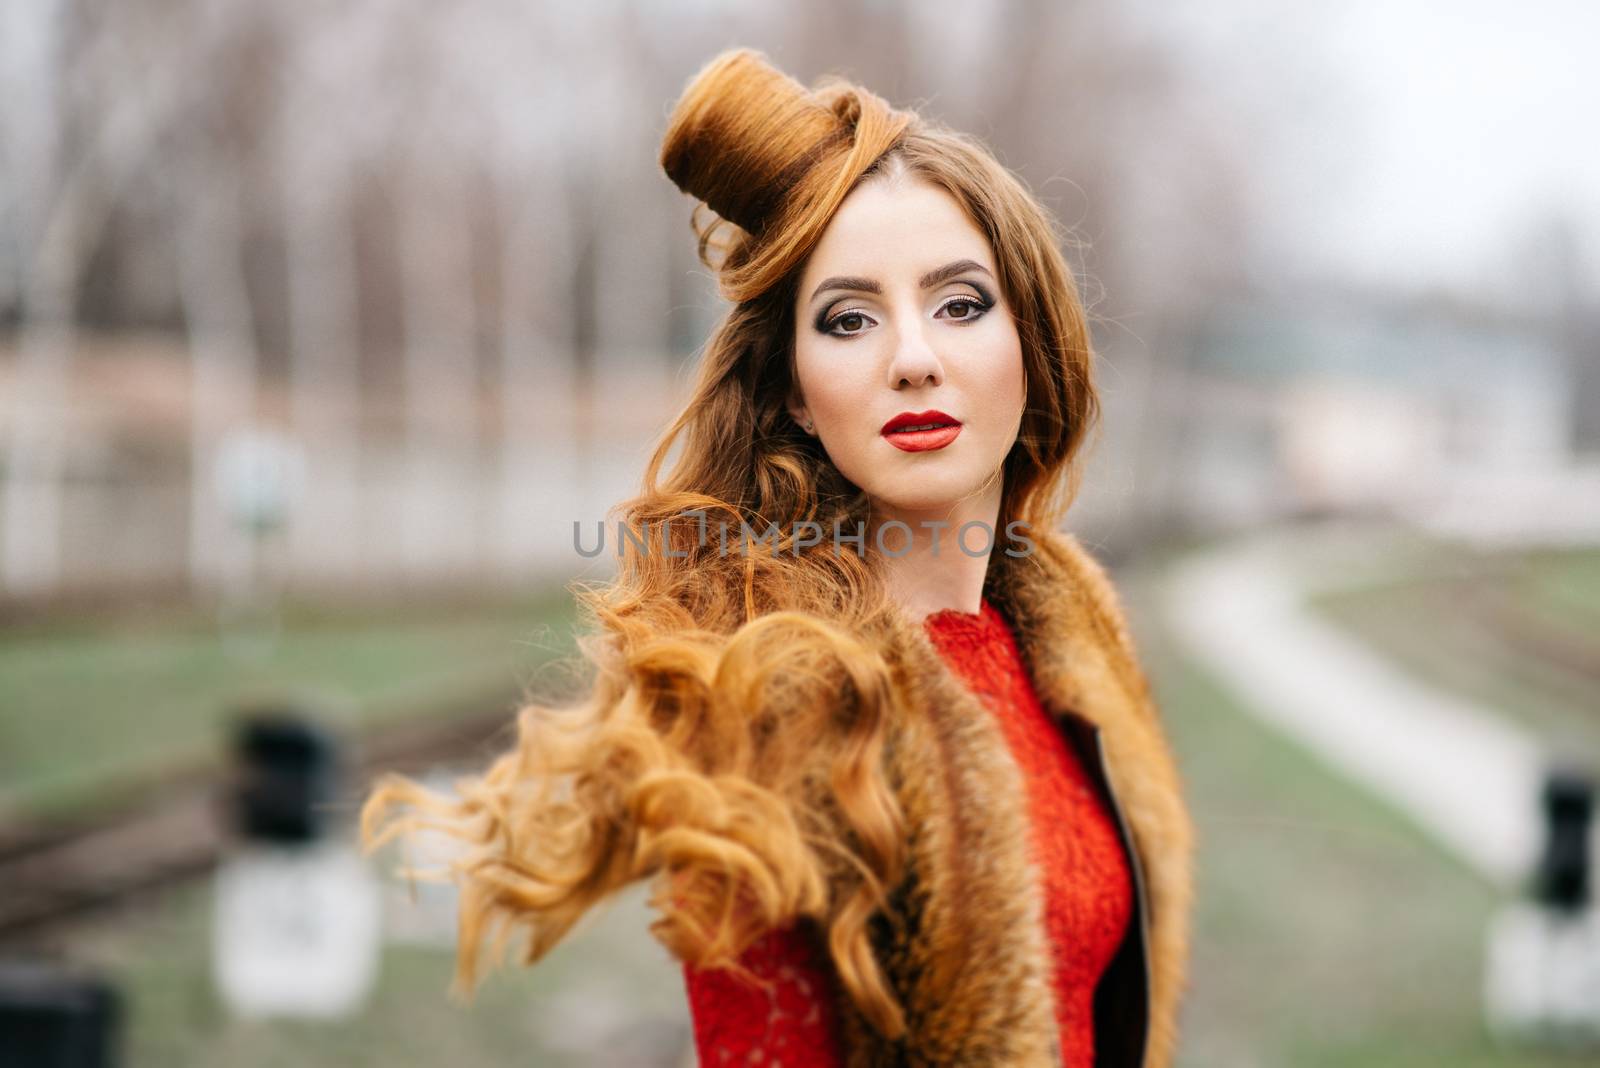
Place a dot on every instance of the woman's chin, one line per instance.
(936, 498)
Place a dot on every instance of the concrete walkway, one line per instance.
(1463, 773)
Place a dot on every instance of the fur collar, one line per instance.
(964, 943)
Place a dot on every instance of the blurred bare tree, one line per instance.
(430, 247)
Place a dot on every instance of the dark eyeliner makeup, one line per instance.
(984, 302)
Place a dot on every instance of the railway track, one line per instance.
(176, 831)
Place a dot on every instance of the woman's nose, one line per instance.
(914, 362)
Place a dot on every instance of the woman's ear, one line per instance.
(798, 412)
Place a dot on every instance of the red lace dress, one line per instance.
(1088, 886)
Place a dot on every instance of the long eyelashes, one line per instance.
(980, 306)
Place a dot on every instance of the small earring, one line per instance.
(808, 426)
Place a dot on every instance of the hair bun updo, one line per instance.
(739, 130)
(772, 157)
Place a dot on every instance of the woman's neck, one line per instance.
(933, 572)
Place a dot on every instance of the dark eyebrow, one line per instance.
(927, 281)
(950, 270)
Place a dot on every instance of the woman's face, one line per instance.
(899, 311)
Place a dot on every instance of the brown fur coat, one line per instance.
(967, 954)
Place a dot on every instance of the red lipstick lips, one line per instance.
(921, 431)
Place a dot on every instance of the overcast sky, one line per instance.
(1424, 140)
(1420, 142)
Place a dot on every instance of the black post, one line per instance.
(52, 1017)
(1561, 881)
(289, 774)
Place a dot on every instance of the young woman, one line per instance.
(872, 724)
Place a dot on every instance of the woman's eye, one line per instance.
(853, 321)
(963, 309)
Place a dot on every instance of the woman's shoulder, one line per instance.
(1066, 550)
(1089, 578)
(1069, 593)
